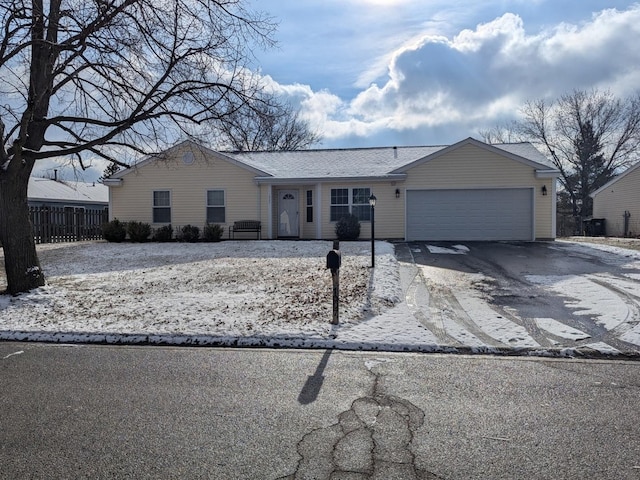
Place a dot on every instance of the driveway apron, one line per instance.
(514, 296)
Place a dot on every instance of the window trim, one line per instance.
(155, 207)
(223, 206)
(350, 203)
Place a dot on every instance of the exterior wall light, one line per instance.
(397, 193)
(544, 189)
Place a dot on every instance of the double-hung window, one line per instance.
(161, 206)
(309, 206)
(350, 200)
(215, 206)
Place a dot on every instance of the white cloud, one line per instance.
(481, 76)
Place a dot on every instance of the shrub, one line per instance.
(348, 228)
(114, 231)
(189, 233)
(212, 233)
(138, 231)
(163, 234)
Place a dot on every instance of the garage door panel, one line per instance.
(458, 214)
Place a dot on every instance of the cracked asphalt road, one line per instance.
(210, 413)
(512, 295)
(373, 439)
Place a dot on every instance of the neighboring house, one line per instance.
(618, 202)
(43, 192)
(63, 211)
(466, 191)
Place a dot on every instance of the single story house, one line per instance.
(466, 191)
(47, 192)
(618, 203)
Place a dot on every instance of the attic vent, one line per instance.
(188, 158)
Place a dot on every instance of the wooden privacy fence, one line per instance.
(67, 224)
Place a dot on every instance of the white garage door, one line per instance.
(485, 214)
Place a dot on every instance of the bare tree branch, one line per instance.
(112, 79)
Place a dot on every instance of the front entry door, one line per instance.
(288, 213)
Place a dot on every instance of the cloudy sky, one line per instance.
(432, 72)
(416, 72)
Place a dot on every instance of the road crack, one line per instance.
(373, 439)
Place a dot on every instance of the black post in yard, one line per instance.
(372, 202)
(335, 277)
(334, 259)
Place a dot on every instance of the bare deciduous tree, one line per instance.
(110, 79)
(266, 124)
(589, 136)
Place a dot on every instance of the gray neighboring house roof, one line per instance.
(46, 190)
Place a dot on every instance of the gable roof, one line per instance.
(616, 179)
(189, 144)
(524, 153)
(380, 162)
(352, 163)
(48, 190)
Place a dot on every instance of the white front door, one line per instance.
(288, 213)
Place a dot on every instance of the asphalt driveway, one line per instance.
(512, 295)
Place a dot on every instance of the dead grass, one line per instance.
(630, 243)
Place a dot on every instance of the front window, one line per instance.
(350, 200)
(309, 206)
(215, 206)
(360, 203)
(161, 206)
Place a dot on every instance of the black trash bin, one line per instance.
(595, 227)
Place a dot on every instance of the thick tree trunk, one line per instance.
(21, 262)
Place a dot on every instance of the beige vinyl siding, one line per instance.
(473, 167)
(389, 213)
(188, 184)
(612, 202)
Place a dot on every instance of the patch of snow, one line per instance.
(559, 329)
(494, 324)
(588, 298)
(602, 347)
(461, 334)
(455, 250)
(610, 254)
(632, 335)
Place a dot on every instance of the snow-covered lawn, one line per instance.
(279, 293)
(232, 288)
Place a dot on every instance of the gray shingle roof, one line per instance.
(45, 189)
(357, 162)
(338, 163)
(349, 163)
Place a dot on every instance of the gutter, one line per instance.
(393, 177)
